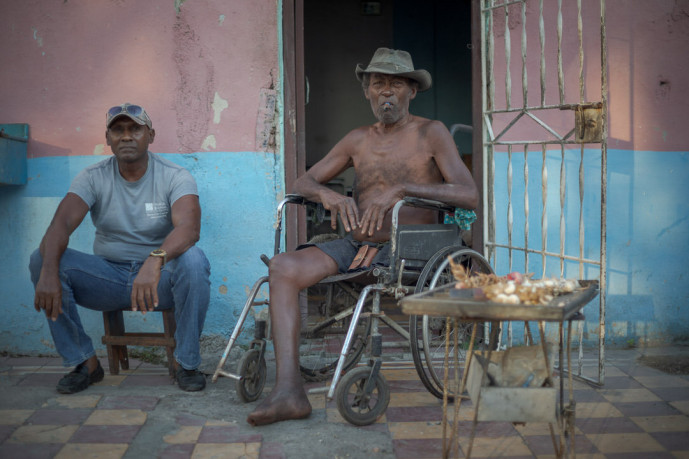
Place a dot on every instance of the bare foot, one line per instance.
(281, 406)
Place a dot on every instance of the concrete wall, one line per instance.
(207, 72)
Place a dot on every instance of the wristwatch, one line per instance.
(160, 253)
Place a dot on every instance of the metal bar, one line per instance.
(580, 32)
(508, 61)
(541, 37)
(509, 125)
(548, 107)
(563, 190)
(604, 185)
(544, 253)
(525, 86)
(543, 125)
(544, 214)
(581, 211)
(526, 207)
(495, 5)
(510, 221)
(560, 73)
(348, 339)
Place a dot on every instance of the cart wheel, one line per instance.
(323, 339)
(252, 369)
(354, 405)
(428, 334)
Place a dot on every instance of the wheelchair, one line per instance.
(346, 322)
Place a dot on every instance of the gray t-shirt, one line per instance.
(132, 218)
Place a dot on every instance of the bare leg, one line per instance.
(289, 273)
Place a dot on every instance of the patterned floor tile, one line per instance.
(184, 434)
(143, 403)
(226, 450)
(402, 414)
(629, 395)
(271, 450)
(625, 443)
(227, 434)
(682, 407)
(415, 430)
(57, 417)
(597, 410)
(496, 447)
(14, 417)
(414, 399)
(653, 382)
(105, 434)
(181, 451)
(29, 451)
(673, 441)
(100, 451)
(676, 423)
(75, 401)
(672, 394)
(607, 425)
(43, 434)
(417, 448)
(116, 417)
(646, 409)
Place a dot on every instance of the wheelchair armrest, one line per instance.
(428, 204)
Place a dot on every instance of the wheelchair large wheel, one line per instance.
(323, 338)
(252, 369)
(428, 335)
(357, 406)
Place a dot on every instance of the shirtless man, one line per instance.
(400, 155)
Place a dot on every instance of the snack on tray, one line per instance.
(515, 288)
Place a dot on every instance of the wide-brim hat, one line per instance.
(395, 62)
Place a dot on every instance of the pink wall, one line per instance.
(648, 69)
(201, 74)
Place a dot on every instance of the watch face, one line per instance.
(158, 252)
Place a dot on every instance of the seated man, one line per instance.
(400, 155)
(147, 217)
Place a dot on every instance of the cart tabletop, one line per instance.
(448, 301)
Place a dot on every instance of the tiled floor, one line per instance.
(639, 413)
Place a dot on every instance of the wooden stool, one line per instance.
(116, 340)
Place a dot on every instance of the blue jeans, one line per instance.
(102, 285)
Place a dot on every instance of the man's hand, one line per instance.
(377, 209)
(145, 287)
(48, 296)
(343, 206)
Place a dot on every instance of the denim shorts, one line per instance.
(345, 249)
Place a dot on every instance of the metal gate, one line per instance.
(544, 131)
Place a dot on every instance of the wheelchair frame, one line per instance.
(410, 263)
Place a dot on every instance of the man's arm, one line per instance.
(186, 222)
(311, 185)
(68, 216)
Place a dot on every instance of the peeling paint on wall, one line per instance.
(219, 104)
(208, 143)
(99, 149)
(195, 83)
(37, 37)
(266, 120)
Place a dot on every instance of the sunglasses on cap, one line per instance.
(134, 112)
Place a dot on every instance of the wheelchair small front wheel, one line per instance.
(357, 406)
(252, 369)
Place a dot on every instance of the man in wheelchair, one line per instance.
(400, 155)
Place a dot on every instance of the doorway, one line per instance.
(338, 35)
